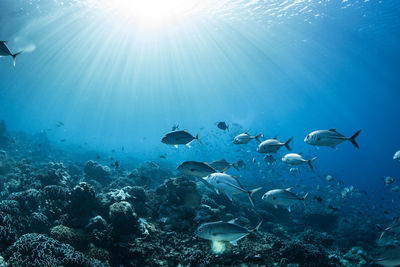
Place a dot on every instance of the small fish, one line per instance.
(224, 231)
(63, 140)
(179, 138)
(273, 145)
(329, 178)
(282, 197)
(333, 208)
(397, 156)
(390, 258)
(116, 164)
(296, 159)
(388, 180)
(196, 168)
(229, 185)
(269, 159)
(164, 156)
(97, 157)
(329, 138)
(222, 165)
(59, 124)
(222, 125)
(4, 51)
(175, 127)
(318, 198)
(396, 189)
(245, 138)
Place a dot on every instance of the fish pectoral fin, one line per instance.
(234, 242)
(229, 196)
(289, 209)
(275, 206)
(233, 221)
(188, 145)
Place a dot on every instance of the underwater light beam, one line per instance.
(149, 12)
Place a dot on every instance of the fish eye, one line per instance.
(274, 198)
(319, 138)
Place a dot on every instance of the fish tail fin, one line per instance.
(352, 139)
(15, 57)
(287, 143)
(257, 227)
(310, 163)
(258, 137)
(197, 138)
(236, 165)
(251, 193)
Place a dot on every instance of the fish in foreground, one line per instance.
(179, 138)
(394, 227)
(397, 156)
(330, 138)
(273, 145)
(390, 258)
(297, 159)
(4, 51)
(222, 125)
(196, 168)
(222, 165)
(282, 197)
(245, 138)
(224, 231)
(229, 185)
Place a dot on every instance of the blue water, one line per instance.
(283, 68)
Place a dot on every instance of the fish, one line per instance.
(297, 159)
(4, 51)
(222, 125)
(179, 138)
(330, 138)
(388, 180)
(222, 165)
(229, 185)
(196, 168)
(396, 156)
(175, 127)
(390, 258)
(164, 156)
(396, 189)
(245, 138)
(329, 178)
(282, 197)
(269, 159)
(273, 145)
(224, 231)
(394, 227)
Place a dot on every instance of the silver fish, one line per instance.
(273, 145)
(196, 168)
(229, 185)
(224, 231)
(297, 159)
(330, 138)
(4, 51)
(282, 197)
(397, 156)
(245, 138)
(179, 138)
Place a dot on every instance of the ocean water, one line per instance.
(120, 74)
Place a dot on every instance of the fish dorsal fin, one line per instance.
(233, 221)
(288, 189)
(332, 130)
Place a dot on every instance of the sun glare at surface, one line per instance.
(149, 12)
